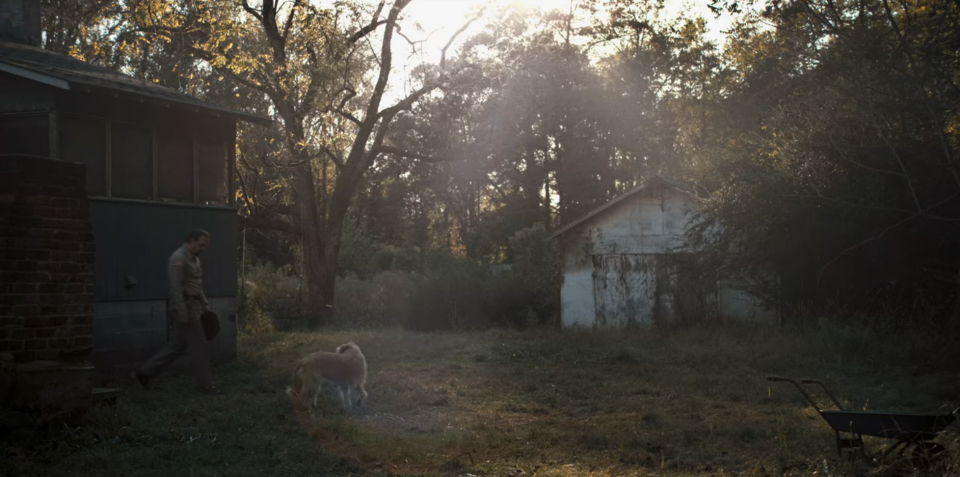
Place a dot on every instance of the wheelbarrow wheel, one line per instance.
(928, 456)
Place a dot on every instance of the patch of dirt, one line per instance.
(421, 421)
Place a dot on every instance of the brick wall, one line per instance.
(46, 279)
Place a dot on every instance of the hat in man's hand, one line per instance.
(211, 324)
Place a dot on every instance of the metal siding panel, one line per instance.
(117, 263)
(101, 268)
(126, 333)
(116, 291)
(625, 289)
(577, 297)
(137, 239)
(644, 289)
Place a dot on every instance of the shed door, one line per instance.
(642, 289)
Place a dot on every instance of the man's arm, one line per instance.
(203, 300)
(175, 281)
(203, 296)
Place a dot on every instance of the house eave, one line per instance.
(34, 76)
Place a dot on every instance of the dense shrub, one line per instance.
(449, 295)
(356, 250)
(389, 286)
(536, 271)
(269, 297)
(383, 300)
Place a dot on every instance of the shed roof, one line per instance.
(63, 71)
(677, 184)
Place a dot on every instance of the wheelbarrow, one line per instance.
(909, 429)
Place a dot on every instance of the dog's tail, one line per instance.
(297, 385)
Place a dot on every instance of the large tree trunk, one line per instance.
(321, 249)
(312, 245)
(328, 272)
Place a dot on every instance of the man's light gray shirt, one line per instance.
(185, 278)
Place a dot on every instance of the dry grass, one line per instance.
(658, 402)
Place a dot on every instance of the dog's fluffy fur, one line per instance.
(347, 368)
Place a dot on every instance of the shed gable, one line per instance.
(651, 221)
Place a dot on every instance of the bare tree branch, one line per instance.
(350, 117)
(252, 11)
(277, 165)
(374, 23)
(243, 186)
(405, 37)
(268, 20)
(268, 224)
(333, 157)
(407, 103)
(913, 192)
(923, 214)
(281, 209)
(860, 244)
(843, 155)
(443, 52)
(293, 13)
(386, 58)
(313, 89)
(396, 151)
(243, 160)
(351, 93)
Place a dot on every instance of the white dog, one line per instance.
(347, 368)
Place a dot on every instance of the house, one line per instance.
(626, 264)
(158, 164)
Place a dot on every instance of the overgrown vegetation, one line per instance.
(833, 151)
(669, 402)
(434, 290)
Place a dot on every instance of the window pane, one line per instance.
(25, 134)
(84, 140)
(131, 174)
(175, 167)
(213, 172)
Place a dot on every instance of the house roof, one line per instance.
(677, 184)
(64, 72)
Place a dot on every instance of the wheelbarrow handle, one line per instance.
(825, 390)
(778, 378)
(796, 384)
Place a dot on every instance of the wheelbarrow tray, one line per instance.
(906, 426)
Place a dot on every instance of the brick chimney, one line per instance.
(20, 21)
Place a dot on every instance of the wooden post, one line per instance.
(109, 159)
(196, 171)
(155, 162)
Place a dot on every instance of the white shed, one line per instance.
(626, 264)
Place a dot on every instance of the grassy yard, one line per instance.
(657, 402)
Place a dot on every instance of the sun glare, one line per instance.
(429, 24)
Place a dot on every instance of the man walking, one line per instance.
(184, 306)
